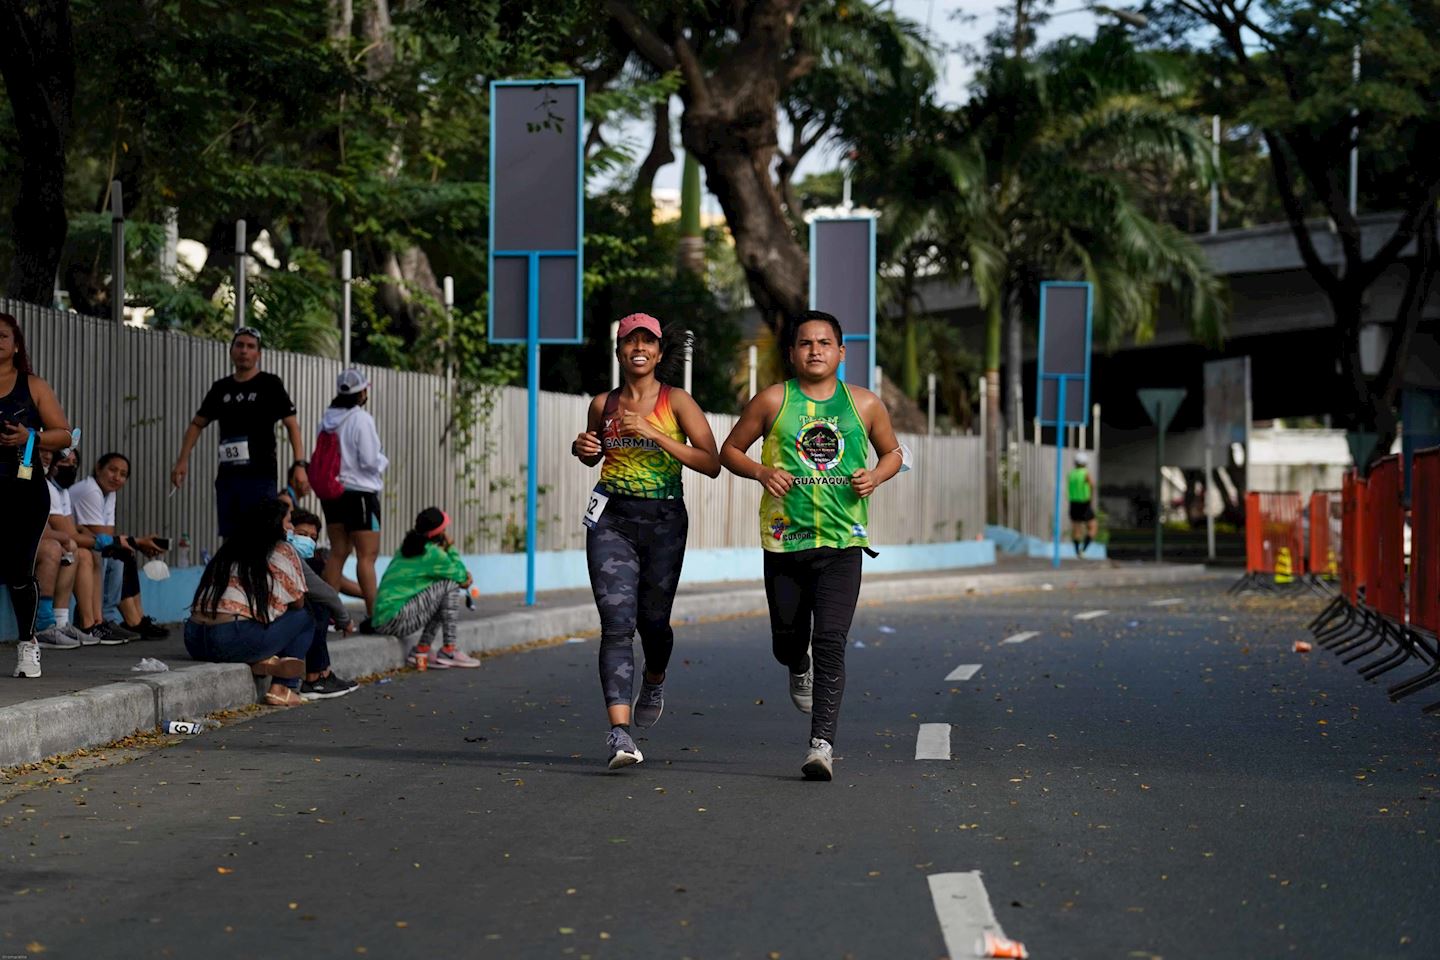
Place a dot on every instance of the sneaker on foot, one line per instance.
(431, 660)
(650, 704)
(326, 688)
(85, 639)
(56, 639)
(818, 762)
(453, 656)
(802, 689)
(623, 752)
(111, 634)
(148, 629)
(27, 659)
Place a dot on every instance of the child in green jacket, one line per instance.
(422, 589)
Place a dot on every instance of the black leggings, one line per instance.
(635, 551)
(27, 509)
(812, 596)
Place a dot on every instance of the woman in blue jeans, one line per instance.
(250, 605)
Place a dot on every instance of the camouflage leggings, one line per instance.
(634, 552)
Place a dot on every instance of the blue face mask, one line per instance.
(304, 546)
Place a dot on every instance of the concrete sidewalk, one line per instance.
(90, 696)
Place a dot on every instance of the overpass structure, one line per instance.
(1279, 317)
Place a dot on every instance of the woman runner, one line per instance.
(637, 520)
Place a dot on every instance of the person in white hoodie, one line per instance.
(353, 519)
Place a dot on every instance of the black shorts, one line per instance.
(1081, 511)
(358, 511)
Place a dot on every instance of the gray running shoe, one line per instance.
(85, 639)
(802, 689)
(818, 762)
(623, 752)
(650, 704)
(55, 638)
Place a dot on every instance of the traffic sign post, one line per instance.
(537, 239)
(1162, 406)
(1062, 378)
(842, 283)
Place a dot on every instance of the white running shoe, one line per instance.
(449, 656)
(56, 639)
(27, 659)
(802, 689)
(818, 762)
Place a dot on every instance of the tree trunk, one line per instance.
(642, 202)
(1014, 368)
(994, 322)
(730, 125)
(37, 63)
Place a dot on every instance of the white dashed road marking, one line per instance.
(964, 910)
(964, 672)
(1091, 614)
(933, 743)
(1020, 637)
(1167, 602)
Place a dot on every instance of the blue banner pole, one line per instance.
(532, 357)
(1059, 461)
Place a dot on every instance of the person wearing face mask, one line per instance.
(88, 626)
(645, 432)
(351, 497)
(31, 420)
(93, 503)
(326, 607)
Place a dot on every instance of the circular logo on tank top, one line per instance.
(820, 443)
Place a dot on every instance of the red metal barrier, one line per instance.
(1425, 541)
(1324, 510)
(1385, 594)
(1352, 537)
(1274, 541)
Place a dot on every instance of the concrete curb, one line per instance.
(42, 728)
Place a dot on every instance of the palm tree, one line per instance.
(1061, 137)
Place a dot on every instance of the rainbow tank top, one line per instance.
(636, 467)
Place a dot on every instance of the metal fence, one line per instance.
(1029, 482)
(134, 390)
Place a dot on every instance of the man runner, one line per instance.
(1081, 494)
(247, 403)
(814, 513)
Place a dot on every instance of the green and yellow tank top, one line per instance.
(636, 467)
(1079, 484)
(821, 443)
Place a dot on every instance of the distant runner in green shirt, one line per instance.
(1082, 508)
(814, 513)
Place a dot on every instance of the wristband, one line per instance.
(300, 463)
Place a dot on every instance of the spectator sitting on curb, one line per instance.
(308, 524)
(290, 493)
(250, 605)
(89, 624)
(325, 607)
(59, 569)
(92, 501)
(422, 589)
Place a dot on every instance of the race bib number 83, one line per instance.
(234, 451)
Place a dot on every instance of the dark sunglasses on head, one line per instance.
(245, 332)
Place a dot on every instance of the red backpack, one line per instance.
(324, 469)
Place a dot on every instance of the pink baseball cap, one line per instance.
(638, 321)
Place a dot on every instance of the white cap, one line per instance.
(351, 380)
(1082, 458)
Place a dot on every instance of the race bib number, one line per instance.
(594, 506)
(234, 452)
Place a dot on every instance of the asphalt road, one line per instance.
(1163, 781)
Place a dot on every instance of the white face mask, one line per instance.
(156, 570)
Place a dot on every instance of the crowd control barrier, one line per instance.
(1274, 543)
(1323, 520)
(1375, 621)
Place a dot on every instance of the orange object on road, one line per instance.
(994, 945)
(1302, 646)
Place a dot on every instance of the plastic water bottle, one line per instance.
(471, 596)
(191, 726)
(182, 551)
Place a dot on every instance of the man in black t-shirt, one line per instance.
(247, 404)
